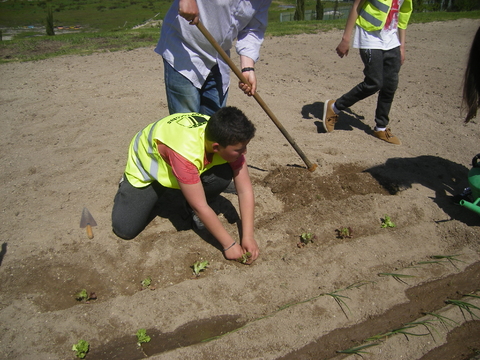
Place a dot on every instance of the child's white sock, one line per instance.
(380, 128)
(335, 110)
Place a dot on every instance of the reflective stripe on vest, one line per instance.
(373, 14)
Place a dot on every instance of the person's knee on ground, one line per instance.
(121, 233)
(132, 208)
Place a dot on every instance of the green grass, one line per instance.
(107, 25)
(93, 14)
(39, 48)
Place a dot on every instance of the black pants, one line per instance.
(132, 208)
(381, 75)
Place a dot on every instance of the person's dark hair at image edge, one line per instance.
(471, 88)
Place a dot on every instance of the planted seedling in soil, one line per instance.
(81, 348)
(428, 325)
(465, 306)
(142, 337)
(82, 295)
(344, 233)
(397, 276)
(449, 258)
(357, 350)
(339, 300)
(199, 266)
(306, 238)
(387, 222)
(244, 258)
(442, 319)
(439, 259)
(147, 283)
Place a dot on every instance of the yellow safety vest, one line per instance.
(183, 133)
(373, 14)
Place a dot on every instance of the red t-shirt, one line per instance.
(184, 170)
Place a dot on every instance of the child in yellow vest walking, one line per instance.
(380, 27)
(199, 155)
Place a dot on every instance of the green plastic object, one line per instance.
(474, 182)
(475, 206)
(474, 177)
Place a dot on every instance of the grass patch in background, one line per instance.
(99, 15)
(107, 25)
(44, 47)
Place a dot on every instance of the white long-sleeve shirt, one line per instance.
(185, 48)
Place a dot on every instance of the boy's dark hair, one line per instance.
(229, 126)
(471, 82)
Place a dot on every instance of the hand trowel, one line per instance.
(87, 221)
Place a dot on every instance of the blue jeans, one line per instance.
(381, 74)
(183, 97)
(133, 208)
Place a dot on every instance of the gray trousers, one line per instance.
(381, 75)
(133, 207)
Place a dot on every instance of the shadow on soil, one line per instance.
(326, 347)
(126, 348)
(420, 302)
(443, 176)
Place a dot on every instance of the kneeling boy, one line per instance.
(199, 155)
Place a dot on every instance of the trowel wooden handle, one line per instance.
(89, 231)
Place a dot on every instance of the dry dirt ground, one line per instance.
(65, 128)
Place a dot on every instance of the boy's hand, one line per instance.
(234, 252)
(188, 9)
(342, 48)
(251, 246)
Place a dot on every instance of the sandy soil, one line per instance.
(65, 127)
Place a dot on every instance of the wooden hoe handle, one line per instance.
(206, 33)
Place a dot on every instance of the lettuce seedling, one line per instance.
(142, 337)
(81, 348)
(199, 266)
(245, 257)
(146, 282)
(306, 238)
(82, 295)
(345, 232)
(387, 222)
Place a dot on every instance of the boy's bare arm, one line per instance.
(246, 202)
(344, 46)
(195, 196)
(401, 37)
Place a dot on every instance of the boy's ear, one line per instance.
(216, 147)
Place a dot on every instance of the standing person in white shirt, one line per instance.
(196, 77)
(380, 27)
